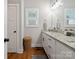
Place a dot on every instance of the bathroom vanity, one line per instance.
(58, 46)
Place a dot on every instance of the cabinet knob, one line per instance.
(43, 39)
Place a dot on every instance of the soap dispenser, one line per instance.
(45, 25)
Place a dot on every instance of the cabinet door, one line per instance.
(44, 42)
(60, 50)
(73, 55)
(64, 52)
(51, 47)
(69, 53)
(51, 52)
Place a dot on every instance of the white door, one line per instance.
(12, 28)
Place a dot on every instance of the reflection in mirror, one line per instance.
(70, 16)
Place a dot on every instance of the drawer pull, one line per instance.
(49, 39)
(49, 46)
(43, 39)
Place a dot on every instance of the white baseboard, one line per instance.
(20, 51)
(33, 45)
(36, 45)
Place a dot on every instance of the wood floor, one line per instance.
(27, 54)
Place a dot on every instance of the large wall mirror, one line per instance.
(69, 15)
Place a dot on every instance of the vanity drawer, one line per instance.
(50, 41)
(49, 46)
(51, 49)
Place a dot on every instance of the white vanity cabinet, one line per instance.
(56, 49)
(63, 51)
(49, 46)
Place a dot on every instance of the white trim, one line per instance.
(5, 28)
(5, 50)
(20, 51)
(36, 45)
(22, 18)
(22, 24)
(14, 4)
(18, 31)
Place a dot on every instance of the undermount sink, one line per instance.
(70, 40)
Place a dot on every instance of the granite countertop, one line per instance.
(68, 40)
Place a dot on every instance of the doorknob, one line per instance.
(6, 39)
(14, 31)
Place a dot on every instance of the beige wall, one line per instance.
(44, 10)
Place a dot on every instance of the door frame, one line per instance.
(22, 24)
(17, 27)
(22, 19)
(5, 28)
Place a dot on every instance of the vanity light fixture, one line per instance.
(57, 4)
